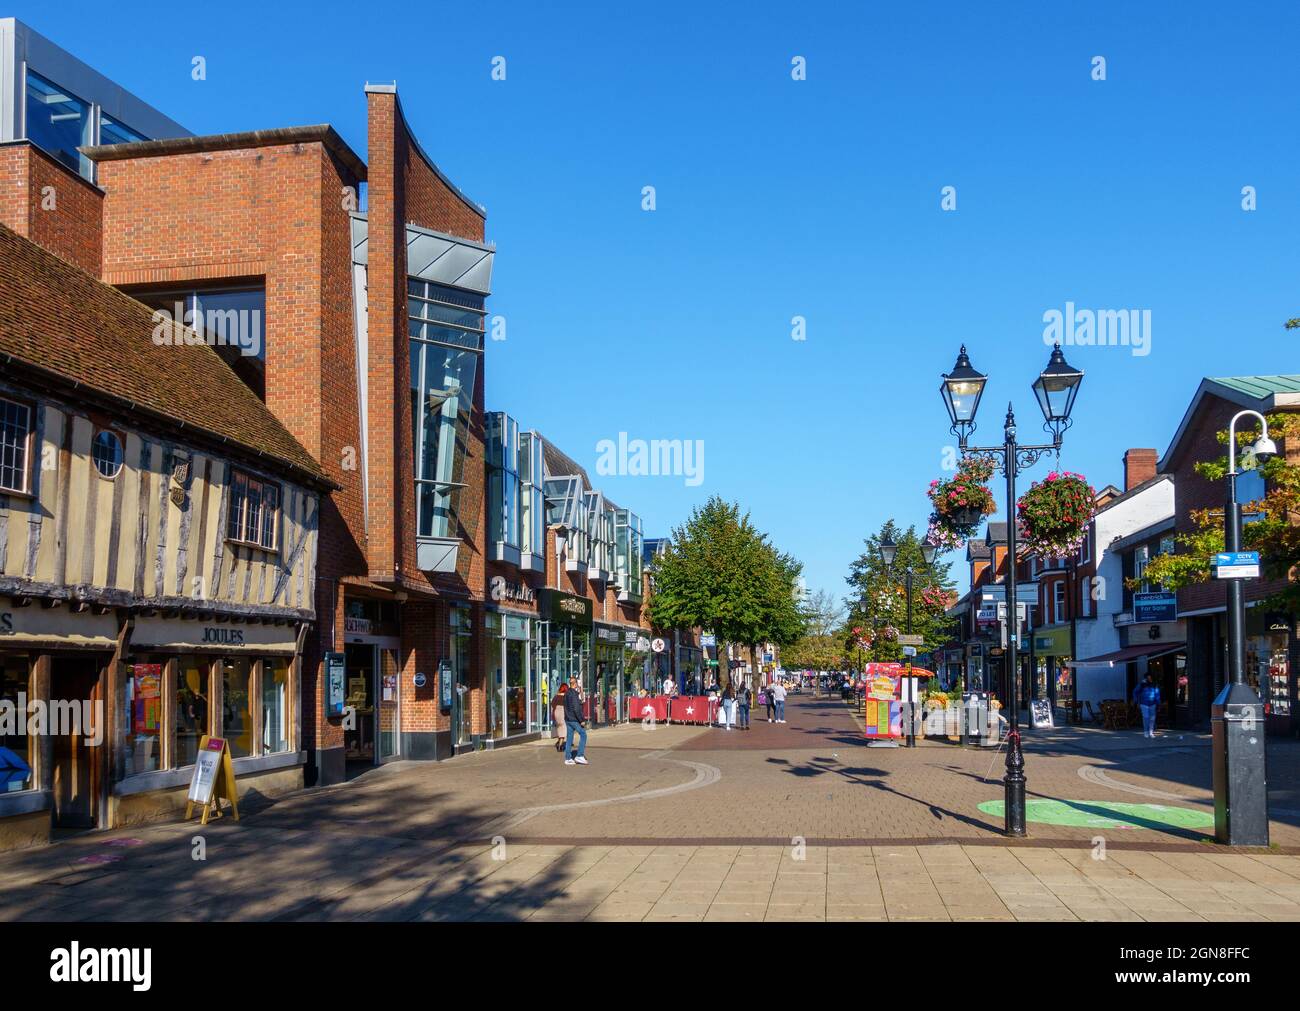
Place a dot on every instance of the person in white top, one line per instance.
(778, 693)
(670, 686)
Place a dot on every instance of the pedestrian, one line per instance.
(744, 700)
(557, 716)
(573, 723)
(778, 693)
(728, 706)
(1147, 696)
(771, 703)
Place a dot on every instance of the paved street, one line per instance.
(793, 821)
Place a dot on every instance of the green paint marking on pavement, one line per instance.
(1107, 814)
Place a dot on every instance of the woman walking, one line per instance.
(557, 716)
(743, 700)
(728, 706)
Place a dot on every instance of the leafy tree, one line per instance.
(878, 604)
(720, 573)
(1274, 535)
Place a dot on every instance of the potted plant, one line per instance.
(1053, 514)
(960, 502)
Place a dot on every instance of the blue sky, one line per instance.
(819, 198)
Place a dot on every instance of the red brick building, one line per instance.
(1272, 652)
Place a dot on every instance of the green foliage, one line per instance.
(720, 573)
(878, 603)
(1275, 535)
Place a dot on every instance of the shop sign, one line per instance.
(514, 627)
(179, 633)
(708, 639)
(1040, 711)
(213, 779)
(565, 608)
(502, 589)
(606, 634)
(1154, 607)
(987, 616)
(1053, 643)
(419, 680)
(356, 626)
(657, 645)
(82, 629)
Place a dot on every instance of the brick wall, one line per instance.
(43, 200)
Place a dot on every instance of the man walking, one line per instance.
(1147, 696)
(573, 723)
(778, 693)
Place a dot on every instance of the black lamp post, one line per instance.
(888, 552)
(1056, 387)
(1237, 716)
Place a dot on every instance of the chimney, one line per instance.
(1139, 466)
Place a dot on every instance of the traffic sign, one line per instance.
(1236, 565)
(1026, 593)
(909, 651)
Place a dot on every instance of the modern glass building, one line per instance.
(51, 98)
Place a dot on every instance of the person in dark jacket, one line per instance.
(745, 697)
(574, 724)
(1147, 697)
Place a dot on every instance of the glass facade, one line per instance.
(442, 400)
(629, 545)
(532, 505)
(59, 123)
(142, 716)
(600, 528)
(462, 639)
(565, 506)
(503, 481)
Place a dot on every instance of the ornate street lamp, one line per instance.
(1237, 716)
(1056, 387)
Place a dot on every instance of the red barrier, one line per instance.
(692, 709)
(636, 708)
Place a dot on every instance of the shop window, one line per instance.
(190, 714)
(254, 511)
(142, 716)
(107, 453)
(236, 712)
(275, 706)
(59, 123)
(15, 693)
(15, 445)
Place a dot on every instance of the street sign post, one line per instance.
(1236, 565)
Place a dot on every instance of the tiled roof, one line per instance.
(63, 324)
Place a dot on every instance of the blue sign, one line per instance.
(1153, 607)
(708, 639)
(335, 669)
(1236, 565)
(1237, 558)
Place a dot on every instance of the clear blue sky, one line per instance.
(818, 198)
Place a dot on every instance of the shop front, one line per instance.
(512, 705)
(564, 644)
(1052, 675)
(372, 729)
(1269, 670)
(637, 661)
(690, 668)
(610, 698)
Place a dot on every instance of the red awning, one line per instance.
(1123, 656)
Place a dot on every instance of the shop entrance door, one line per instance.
(78, 740)
(388, 736)
(360, 676)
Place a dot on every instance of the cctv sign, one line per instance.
(1236, 565)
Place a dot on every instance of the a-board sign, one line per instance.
(213, 779)
(1040, 711)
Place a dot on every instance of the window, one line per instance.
(1085, 548)
(1141, 556)
(565, 507)
(15, 442)
(254, 511)
(442, 400)
(59, 123)
(532, 508)
(600, 548)
(231, 321)
(275, 694)
(503, 480)
(1085, 597)
(142, 716)
(628, 548)
(190, 713)
(113, 132)
(1058, 600)
(106, 451)
(445, 315)
(16, 688)
(236, 700)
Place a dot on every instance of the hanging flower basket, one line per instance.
(961, 501)
(1053, 515)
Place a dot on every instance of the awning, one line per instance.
(1123, 656)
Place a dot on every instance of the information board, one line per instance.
(1040, 711)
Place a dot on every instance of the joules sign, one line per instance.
(213, 636)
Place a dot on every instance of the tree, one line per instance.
(1275, 535)
(878, 605)
(721, 574)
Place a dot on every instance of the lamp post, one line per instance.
(1056, 387)
(888, 552)
(1237, 717)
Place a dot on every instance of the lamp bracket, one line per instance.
(1026, 456)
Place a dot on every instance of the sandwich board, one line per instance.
(214, 778)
